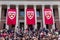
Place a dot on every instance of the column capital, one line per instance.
(0, 5)
(16, 5)
(58, 5)
(8, 6)
(43, 6)
(25, 6)
(51, 6)
(34, 5)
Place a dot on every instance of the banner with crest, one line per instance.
(30, 16)
(48, 16)
(11, 16)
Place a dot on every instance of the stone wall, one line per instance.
(29, 0)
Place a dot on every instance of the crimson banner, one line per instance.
(48, 16)
(30, 16)
(11, 16)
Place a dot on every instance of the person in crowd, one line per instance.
(42, 34)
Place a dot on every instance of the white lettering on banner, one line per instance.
(11, 12)
(30, 14)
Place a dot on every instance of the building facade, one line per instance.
(38, 6)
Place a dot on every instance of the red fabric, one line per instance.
(48, 16)
(4, 34)
(30, 16)
(11, 16)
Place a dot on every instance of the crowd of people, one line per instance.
(42, 34)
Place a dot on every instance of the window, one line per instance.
(21, 12)
(54, 12)
(5, 11)
(38, 13)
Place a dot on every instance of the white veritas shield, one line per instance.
(48, 14)
(11, 15)
(30, 14)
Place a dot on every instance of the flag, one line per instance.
(11, 16)
(30, 16)
(48, 16)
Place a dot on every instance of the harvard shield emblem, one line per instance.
(11, 15)
(48, 14)
(30, 14)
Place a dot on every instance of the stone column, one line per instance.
(35, 27)
(0, 12)
(16, 19)
(25, 25)
(53, 26)
(7, 26)
(59, 12)
(0, 15)
(44, 25)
